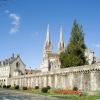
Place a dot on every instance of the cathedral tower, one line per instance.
(61, 42)
(47, 50)
(47, 45)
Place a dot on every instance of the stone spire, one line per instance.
(61, 42)
(47, 46)
(48, 34)
(46, 52)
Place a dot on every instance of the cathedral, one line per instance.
(51, 60)
(13, 71)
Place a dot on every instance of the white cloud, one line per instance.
(15, 22)
(7, 11)
(96, 45)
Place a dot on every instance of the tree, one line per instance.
(74, 53)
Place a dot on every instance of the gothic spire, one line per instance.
(47, 46)
(48, 34)
(61, 42)
(61, 37)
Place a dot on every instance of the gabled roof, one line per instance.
(10, 60)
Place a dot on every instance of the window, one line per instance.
(17, 65)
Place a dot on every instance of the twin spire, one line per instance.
(47, 46)
(61, 42)
(48, 34)
(48, 42)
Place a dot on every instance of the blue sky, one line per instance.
(23, 25)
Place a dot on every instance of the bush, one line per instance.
(48, 87)
(24, 88)
(4, 86)
(16, 87)
(36, 87)
(8, 86)
(44, 90)
(75, 89)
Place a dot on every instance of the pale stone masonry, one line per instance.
(84, 77)
(14, 72)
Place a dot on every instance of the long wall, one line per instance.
(84, 77)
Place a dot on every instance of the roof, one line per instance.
(10, 60)
(31, 71)
(55, 55)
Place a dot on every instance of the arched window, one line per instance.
(17, 65)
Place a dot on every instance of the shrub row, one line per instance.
(24, 88)
(36, 87)
(16, 87)
(43, 90)
(6, 86)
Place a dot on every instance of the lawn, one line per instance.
(85, 96)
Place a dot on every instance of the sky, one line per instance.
(23, 26)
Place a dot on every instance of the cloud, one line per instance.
(15, 22)
(96, 45)
(7, 11)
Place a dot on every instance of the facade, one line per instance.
(86, 78)
(10, 67)
(13, 71)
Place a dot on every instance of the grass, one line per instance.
(51, 93)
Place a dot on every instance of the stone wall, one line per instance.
(86, 78)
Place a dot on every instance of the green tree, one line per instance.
(74, 52)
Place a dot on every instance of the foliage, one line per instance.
(4, 86)
(24, 88)
(16, 87)
(36, 87)
(75, 89)
(48, 87)
(74, 52)
(44, 90)
(8, 86)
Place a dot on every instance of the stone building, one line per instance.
(10, 67)
(14, 72)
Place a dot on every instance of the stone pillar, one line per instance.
(71, 80)
(36, 81)
(56, 81)
(93, 81)
(81, 81)
(45, 81)
(53, 81)
(33, 83)
(20, 81)
(49, 81)
(25, 81)
(64, 81)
